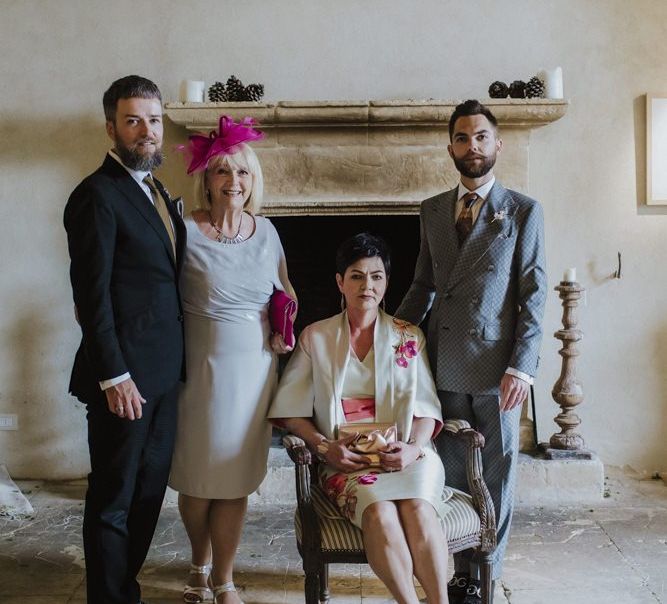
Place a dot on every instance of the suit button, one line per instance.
(473, 332)
(436, 265)
(474, 300)
(180, 318)
(491, 267)
(445, 328)
(447, 296)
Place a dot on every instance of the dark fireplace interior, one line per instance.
(310, 244)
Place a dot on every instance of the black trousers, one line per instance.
(130, 462)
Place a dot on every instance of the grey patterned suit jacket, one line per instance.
(487, 298)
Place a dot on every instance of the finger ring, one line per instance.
(120, 409)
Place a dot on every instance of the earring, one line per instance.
(342, 302)
(208, 195)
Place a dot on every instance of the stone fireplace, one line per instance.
(335, 168)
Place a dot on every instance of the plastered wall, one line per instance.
(587, 169)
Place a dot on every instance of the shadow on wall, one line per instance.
(42, 159)
(51, 425)
(639, 111)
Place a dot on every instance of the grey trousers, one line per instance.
(499, 457)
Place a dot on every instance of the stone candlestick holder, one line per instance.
(567, 391)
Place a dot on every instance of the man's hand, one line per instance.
(513, 391)
(124, 400)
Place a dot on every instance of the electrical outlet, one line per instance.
(9, 421)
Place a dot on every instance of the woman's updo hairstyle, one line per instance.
(362, 245)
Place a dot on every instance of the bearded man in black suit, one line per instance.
(125, 239)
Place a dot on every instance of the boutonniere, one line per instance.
(500, 215)
(406, 348)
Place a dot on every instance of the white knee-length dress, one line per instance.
(223, 437)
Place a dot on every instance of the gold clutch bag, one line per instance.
(371, 437)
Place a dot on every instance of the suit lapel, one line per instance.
(136, 196)
(491, 224)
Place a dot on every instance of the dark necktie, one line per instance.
(162, 210)
(464, 221)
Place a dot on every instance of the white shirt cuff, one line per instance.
(113, 381)
(520, 374)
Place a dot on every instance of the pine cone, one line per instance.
(217, 93)
(235, 90)
(535, 88)
(498, 90)
(254, 92)
(518, 89)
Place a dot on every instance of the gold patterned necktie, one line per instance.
(162, 210)
(464, 221)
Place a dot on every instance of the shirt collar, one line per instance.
(482, 191)
(138, 175)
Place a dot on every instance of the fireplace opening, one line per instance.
(310, 244)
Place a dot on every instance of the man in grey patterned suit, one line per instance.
(481, 271)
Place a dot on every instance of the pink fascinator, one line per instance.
(225, 141)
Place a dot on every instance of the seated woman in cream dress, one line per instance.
(364, 365)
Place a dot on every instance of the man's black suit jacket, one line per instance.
(125, 283)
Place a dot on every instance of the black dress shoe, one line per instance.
(457, 588)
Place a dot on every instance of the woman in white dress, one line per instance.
(233, 263)
(365, 366)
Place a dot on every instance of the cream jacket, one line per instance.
(312, 383)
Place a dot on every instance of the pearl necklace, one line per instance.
(221, 237)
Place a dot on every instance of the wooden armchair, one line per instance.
(324, 537)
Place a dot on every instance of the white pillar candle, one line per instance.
(553, 83)
(192, 91)
(570, 275)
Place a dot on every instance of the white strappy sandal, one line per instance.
(198, 595)
(221, 589)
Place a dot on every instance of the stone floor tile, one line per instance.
(620, 595)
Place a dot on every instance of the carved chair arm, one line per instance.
(474, 443)
(305, 465)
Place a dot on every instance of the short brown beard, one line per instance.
(475, 171)
(136, 161)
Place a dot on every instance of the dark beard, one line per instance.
(475, 170)
(136, 161)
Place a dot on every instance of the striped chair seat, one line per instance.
(340, 535)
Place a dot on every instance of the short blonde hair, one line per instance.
(245, 158)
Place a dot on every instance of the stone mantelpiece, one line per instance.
(367, 157)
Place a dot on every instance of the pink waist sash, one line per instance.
(356, 409)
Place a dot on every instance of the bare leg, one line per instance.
(226, 522)
(428, 547)
(387, 550)
(195, 513)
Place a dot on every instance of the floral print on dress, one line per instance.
(342, 490)
(406, 348)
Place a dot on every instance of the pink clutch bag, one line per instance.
(282, 312)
